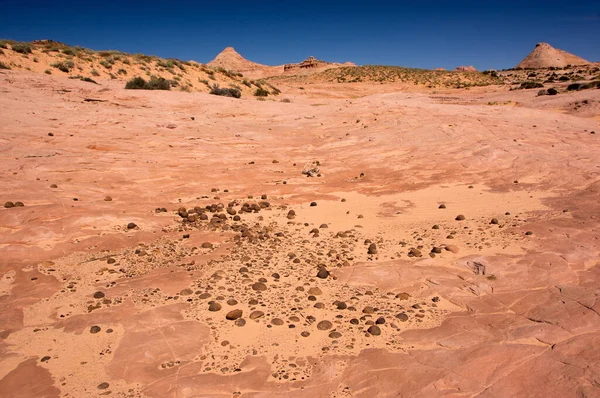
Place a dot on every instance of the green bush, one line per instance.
(528, 85)
(64, 66)
(20, 47)
(261, 92)
(225, 92)
(158, 84)
(138, 83)
(106, 64)
(69, 51)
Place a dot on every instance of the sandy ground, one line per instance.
(449, 246)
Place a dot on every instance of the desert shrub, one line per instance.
(4, 43)
(247, 83)
(20, 47)
(542, 92)
(574, 87)
(261, 99)
(552, 91)
(35, 60)
(126, 61)
(137, 83)
(155, 83)
(212, 77)
(1, 52)
(261, 92)
(4, 66)
(122, 72)
(69, 51)
(95, 72)
(64, 66)
(287, 100)
(225, 92)
(165, 63)
(528, 85)
(83, 79)
(48, 72)
(106, 64)
(563, 78)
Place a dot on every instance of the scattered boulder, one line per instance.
(324, 325)
(374, 330)
(372, 249)
(234, 314)
(259, 287)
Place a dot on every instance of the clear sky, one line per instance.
(426, 34)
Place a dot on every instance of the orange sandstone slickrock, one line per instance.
(218, 269)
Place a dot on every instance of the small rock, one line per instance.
(107, 199)
(380, 321)
(8, 205)
(315, 291)
(206, 245)
(131, 225)
(529, 233)
(259, 287)
(414, 253)
(234, 314)
(494, 221)
(372, 249)
(323, 273)
(324, 325)
(374, 330)
(256, 314)
(214, 307)
(103, 386)
(313, 204)
(368, 310)
(402, 317)
(277, 321)
(98, 295)
(335, 335)
(460, 217)
(95, 329)
(442, 206)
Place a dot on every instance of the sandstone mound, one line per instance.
(546, 56)
(463, 68)
(232, 60)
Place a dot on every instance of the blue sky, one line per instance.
(425, 34)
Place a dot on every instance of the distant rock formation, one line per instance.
(463, 68)
(310, 62)
(232, 60)
(546, 56)
(229, 59)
